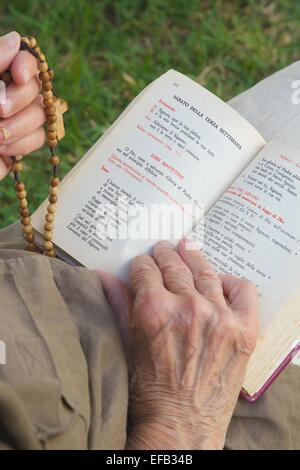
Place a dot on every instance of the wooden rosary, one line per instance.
(54, 109)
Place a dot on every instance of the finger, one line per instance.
(117, 296)
(145, 275)
(205, 277)
(8, 161)
(244, 302)
(23, 123)
(9, 47)
(176, 275)
(23, 68)
(120, 302)
(3, 169)
(23, 146)
(242, 295)
(18, 97)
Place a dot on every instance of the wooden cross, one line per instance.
(61, 107)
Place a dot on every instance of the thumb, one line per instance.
(9, 48)
(243, 298)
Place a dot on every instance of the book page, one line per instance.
(253, 231)
(177, 145)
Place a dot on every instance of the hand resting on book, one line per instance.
(21, 110)
(192, 333)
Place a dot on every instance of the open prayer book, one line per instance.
(179, 146)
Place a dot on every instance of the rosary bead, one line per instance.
(26, 221)
(52, 127)
(50, 217)
(48, 226)
(20, 186)
(37, 50)
(25, 40)
(51, 73)
(54, 160)
(23, 203)
(53, 190)
(24, 212)
(50, 110)
(43, 66)
(52, 143)
(17, 167)
(50, 253)
(52, 199)
(31, 247)
(51, 208)
(51, 134)
(46, 86)
(21, 194)
(44, 76)
(54, 180)
(32, 42)
(27, 229)
(48, 102)
(48, 245)
(47, 94)
(51, 119)
(48, 235)
(29, 237)
(42, 57)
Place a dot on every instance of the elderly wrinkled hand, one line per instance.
(21, 110)
(193, 332)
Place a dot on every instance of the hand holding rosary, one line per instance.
(54, 109)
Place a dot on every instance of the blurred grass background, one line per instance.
(104, 52)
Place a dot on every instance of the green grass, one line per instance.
(104, 52)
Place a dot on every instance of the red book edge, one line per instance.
(282, 365)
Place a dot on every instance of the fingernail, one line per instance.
(6, 107)
(11, 39)
(165, 244)
(5, 134)
(191, 244)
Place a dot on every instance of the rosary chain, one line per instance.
(46, 77)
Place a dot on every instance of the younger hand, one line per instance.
(22, 115)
